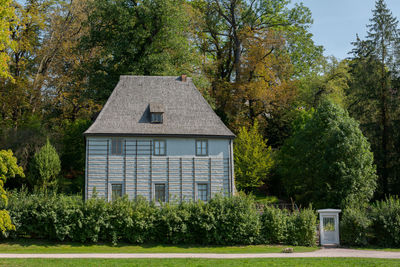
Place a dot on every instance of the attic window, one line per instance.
(156, 117)
(156, 112)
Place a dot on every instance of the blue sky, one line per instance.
(336, 22)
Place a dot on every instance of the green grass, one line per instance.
(202, 262)
(261, 198)
(377, 248)
(35, 246)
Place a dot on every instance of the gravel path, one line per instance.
(331, 252)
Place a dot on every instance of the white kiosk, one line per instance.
(329, 226)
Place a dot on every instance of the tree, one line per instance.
(45, 168)
(327, 161)
(8, 169)
(7, 20)
(253, 159)
(146, 37)
(373, 97)
(253, 52)
(73, 155)
(330, 83)
(266, 91)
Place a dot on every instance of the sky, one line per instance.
(336, 22)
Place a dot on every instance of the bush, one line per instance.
(355, 227)
(274, 225)
(233, 220)
(302, 226)
(386, 222)
(296, 228)
(221, 221)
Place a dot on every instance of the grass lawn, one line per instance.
(377, 248)
(35, 246)
(202, 262)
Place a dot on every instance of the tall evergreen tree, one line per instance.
(372, 97)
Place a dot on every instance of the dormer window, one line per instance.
(156, 117)
(156, 113)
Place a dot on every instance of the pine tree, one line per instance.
(372, 97)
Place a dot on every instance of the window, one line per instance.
(329, 224)
(202, 192)
(159, 148)
(201, 147)
(116, 191)
(156, 117)
(159, 192)
(116, 146)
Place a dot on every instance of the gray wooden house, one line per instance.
(157, 137)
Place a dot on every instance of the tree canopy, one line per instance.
(253, 159)
(327, 161)
(8, 169)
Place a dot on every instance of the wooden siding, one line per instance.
(138, 170)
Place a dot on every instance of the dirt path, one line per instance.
(331, 252)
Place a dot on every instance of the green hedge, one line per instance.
(377, 224)
(281, 227)
(221, 221)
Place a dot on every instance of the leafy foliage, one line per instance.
(328, 161)
(373, 96)
(45, 168)
(376, 224)
(141, 37)
(221, 221)
(282, 227)
(253, 159)
(355, 225)
(73, 155)
(8, 169)
(386, 222)
(7, 19)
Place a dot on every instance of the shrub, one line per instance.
(386, 222)
(221, 221)
(355, 227)
(172, 224)
(274, 225)
(235, 220)
(302, 226)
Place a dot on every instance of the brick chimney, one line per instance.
(183, 77)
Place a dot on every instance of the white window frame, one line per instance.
(198, 184)
(165, 192)
(115, 141)
(203, 150)
(110, 194)
(158, 153)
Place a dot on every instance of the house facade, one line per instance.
(157, 137)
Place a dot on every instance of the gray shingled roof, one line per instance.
(186, 112)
